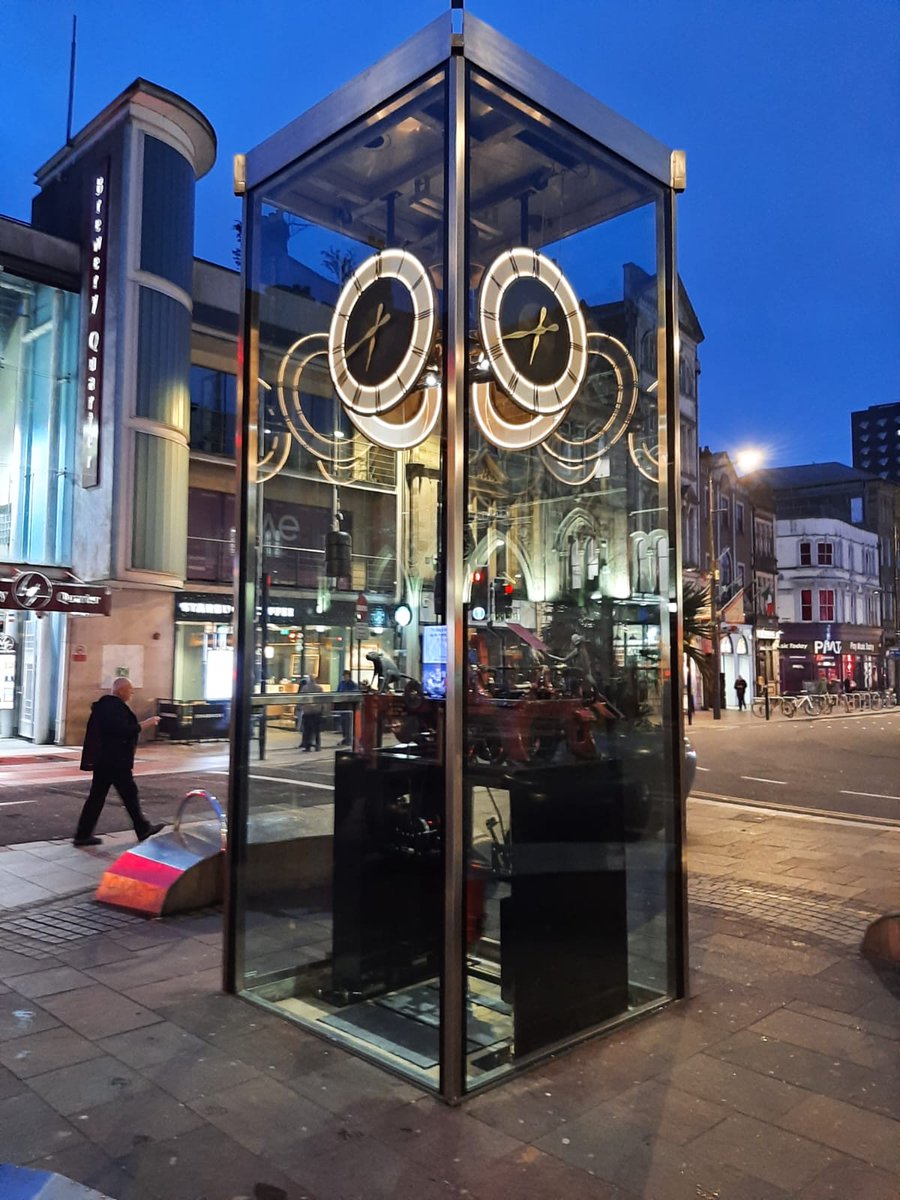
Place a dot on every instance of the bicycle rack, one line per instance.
(176, 870)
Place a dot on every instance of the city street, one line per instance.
(846, 765)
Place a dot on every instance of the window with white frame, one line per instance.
(805, 554)
(806, 604)
(825, 554)
(826, 604)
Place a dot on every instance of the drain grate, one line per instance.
(799, 910)
(32, 931)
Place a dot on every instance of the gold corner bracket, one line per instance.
(240, 174)
(678, 170)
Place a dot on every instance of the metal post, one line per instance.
(714, 600)
(452, 1043)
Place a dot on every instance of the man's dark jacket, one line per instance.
(111, 737)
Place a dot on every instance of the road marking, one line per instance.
(874, 795)
(810, 814)
(759, 779)
(16, 803)
(322, 787)
(704, 768)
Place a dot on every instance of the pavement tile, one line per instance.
(148, 934)
(282, 1050)
(826, 1037)
(770, 957)
(659, 1171)
(184, 987)
(781, 1158)
(362, 1168)
(804, 1068)
(81, 1086)
(217, 1015)
(262, 1115)
(158, 961)
(348, 1086)
(150, 1115)
(81, 1162)
(526, 1107)
(49, 982)
(47, 1051)
(663, 1110)
(92, 952)
(851, 1180)
(867, 1135)
(883, 1029)
(152, 1044)
(20, 1017)
(539, 1176)
(191, 1074)
(729, 1084)
(98, 1011)
(30, 1129)
(13, 965)
(10, 1084)
(202, 1164)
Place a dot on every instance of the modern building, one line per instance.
(876, 440)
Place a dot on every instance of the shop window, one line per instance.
(826, 604)
(210, 543)
(805, 554)
(825, 554)
(806, 605)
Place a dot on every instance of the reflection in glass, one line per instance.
(566, 782)
(343, 883)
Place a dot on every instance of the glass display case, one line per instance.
(459, 380)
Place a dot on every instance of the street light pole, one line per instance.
(714, 601)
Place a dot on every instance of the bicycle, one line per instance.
(791, 705)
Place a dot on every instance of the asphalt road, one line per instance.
(847, 765)
(842, 765)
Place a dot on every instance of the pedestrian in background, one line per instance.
(740, 688)
(347, 684)
(312, 717)
(109, 744)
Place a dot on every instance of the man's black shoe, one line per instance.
(88, 841)
(150, 830)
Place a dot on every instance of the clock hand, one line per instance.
(535, 334)
(369, 335)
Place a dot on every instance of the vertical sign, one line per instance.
(94, 328)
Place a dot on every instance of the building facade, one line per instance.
(829, 606)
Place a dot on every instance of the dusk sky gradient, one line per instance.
(789, 110)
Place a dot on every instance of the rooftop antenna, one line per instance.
(71, 82)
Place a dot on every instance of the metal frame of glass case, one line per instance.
(464, 68)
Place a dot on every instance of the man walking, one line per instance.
(740, 687)
(109, 744)
(312, 716)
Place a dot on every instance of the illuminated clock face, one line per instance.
(381, 332)
(533, 331)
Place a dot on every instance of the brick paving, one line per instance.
(123, 1067)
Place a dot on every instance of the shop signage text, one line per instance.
(94, 332)
(33, 591)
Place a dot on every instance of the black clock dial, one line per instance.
(379, 332)
(534, 331)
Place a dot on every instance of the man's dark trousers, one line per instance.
(123, 781)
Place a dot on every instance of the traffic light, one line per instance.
(478, 596)
(503, 593)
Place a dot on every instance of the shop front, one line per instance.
(477, 382)
(814, 656)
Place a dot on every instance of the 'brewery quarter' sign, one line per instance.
(92, 396)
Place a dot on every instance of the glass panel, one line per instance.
(38, 419)
(164, 341)
(568, 785)
(342, 892)
(167, 214)
(159, 528)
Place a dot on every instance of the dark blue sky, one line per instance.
(789, 111)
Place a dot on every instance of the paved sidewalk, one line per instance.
(123, 1067)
